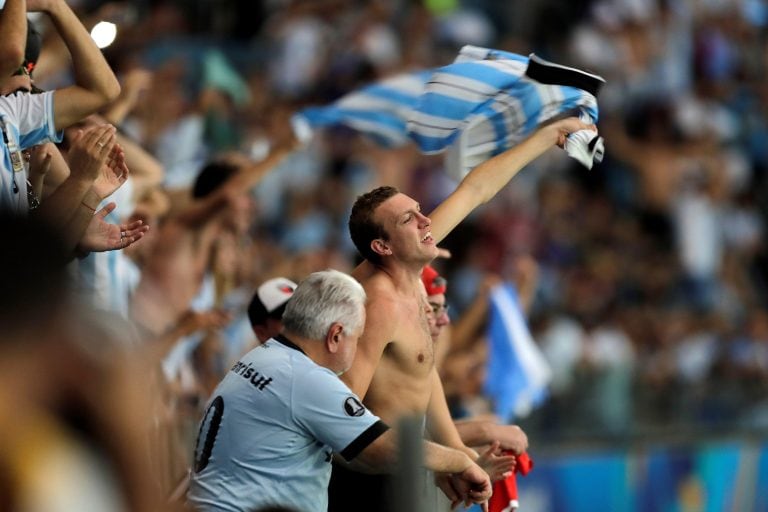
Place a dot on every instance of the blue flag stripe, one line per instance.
(517, 372)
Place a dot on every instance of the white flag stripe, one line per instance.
(369, 102)
(411, 84)
(461, 88)
(395, 136)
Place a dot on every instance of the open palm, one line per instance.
(112, 174)
(102, 236)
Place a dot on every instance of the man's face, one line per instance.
(437, 315)
(434, 329)
(410, 235)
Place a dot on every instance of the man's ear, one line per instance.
(379, 246)
(333, 337)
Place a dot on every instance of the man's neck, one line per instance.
(311, 348)
(402, 274)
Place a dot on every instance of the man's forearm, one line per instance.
(484, 432)
(92, 73)
(475, 433)
(492, 175)
(442, 459)
(485, 180)
(91, 69)
(381, 457)
(251, 175)
(70, 207)
(439, 422)
(13, 29)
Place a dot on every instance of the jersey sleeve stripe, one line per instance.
(354, 448)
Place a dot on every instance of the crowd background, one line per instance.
(649, 273)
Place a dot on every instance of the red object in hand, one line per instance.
(504, 498)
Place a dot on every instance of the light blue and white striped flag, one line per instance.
(518, 374)
(379, 111)
(489, 100)
(484, 103)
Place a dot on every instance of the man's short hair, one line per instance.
(211, 177)
(269, 300)
(362, 228)
(322, 299)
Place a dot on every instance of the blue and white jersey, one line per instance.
(26, 120)
(270, 430)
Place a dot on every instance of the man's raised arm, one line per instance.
(13, 34)
(95, 83)
(247, 176)
(485, 180)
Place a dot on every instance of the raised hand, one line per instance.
(559, 130)
(112, 174)
(136, 82)
(90, 150)
(102, 236)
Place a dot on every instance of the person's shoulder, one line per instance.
(382, 294)
(379, 283)
(311, 377)
(10, 104)
(363, 271)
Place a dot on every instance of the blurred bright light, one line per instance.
(104, 33)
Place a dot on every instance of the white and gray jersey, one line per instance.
(269, 432)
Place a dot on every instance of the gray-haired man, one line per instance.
(273, 423)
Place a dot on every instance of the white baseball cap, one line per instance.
(270, 299)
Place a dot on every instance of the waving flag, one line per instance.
(484, 103)
(518, 374)
(489, 100)
(380, 111)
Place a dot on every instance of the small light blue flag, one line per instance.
(518, 373)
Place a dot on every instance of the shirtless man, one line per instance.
(394, 366)
(184, 243)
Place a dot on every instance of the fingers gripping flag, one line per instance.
(518, 374)
(489, 100)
